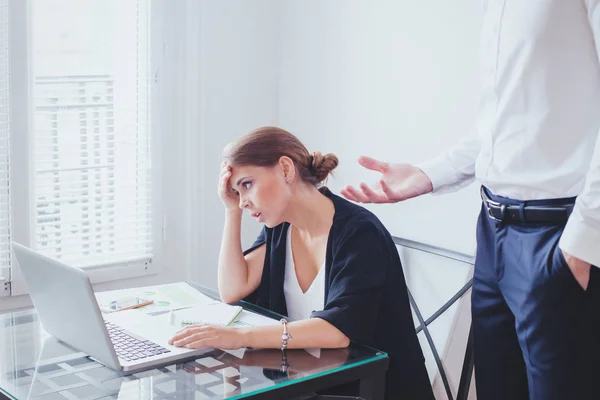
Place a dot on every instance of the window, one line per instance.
(88, 137)
(91, 132)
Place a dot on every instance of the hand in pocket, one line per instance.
(579, 268)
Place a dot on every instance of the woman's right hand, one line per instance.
(229, 197)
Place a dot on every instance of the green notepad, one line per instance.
(208, 314)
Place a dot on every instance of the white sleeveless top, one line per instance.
(299, 304)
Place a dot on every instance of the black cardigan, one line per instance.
(365, 292)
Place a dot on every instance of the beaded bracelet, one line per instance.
(286, 337)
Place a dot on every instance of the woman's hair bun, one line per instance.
(322, 165)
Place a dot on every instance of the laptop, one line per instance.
(66, 305)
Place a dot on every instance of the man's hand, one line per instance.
(579, 268)
(398, 182)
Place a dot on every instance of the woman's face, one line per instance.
(262, 191)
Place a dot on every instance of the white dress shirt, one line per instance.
(300, 305)
(538, 119)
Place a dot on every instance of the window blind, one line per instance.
(5, 209)
(91, 142)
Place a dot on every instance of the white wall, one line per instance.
(238, 78)
(394, 79)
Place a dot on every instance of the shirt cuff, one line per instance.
(441, 173)
(580, 240)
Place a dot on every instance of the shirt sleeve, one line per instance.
(260, 240)
(582, 233)
(358, 273)
(455, 168)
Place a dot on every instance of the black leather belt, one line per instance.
(509, 213)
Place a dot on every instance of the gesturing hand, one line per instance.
(398, 182)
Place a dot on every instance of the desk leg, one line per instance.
(373, 388)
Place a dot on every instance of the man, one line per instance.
(536, 292)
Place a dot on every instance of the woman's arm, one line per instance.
(238, 276)
(306, 334)
(310, 333)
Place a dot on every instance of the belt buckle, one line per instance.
(489, 202)
(495, 204)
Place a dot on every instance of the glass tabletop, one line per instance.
(34, 365)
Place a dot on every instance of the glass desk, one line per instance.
(34, 365)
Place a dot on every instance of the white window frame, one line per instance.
(21, 91)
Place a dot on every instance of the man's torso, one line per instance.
(539, 111)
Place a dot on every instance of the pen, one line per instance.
(171, 318)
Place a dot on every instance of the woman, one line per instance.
(328, 264)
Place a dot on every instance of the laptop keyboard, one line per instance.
(130, 348)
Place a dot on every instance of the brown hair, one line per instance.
(264, 147)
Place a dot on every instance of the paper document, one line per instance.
(248, 318)
(167, 297)
(207, 314)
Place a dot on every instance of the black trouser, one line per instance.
(536, 331)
